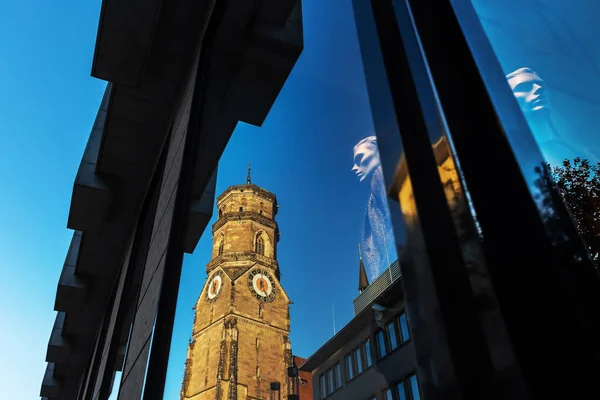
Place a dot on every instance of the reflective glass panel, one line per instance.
(548, 51)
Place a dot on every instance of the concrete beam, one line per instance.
(201, 211)
(59, 347)
(91, 193)
(50, 385)
(124, 40)
(71, 290)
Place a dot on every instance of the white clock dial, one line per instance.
(261, 285)
(214, 287)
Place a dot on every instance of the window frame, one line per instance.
(367, 351)
(407, 387)
(338, 380)
(322, 386)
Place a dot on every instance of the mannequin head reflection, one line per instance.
(366, 157)
(530, 91)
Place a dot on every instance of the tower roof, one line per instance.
(363, 281)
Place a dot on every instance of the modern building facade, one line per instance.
(372, 357)
(181, 75)
(240, 340)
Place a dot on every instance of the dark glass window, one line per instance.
(381, 348)
(259, 246)
(391, 333)
(367, 351)
(404, 327)
(387, 394)
(322, 387)
(330, 382)
(358, 359)
(414, 387)
(349, 367)
(338, 375)
(401, 390)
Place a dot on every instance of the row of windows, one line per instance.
(394, 334)
(359, 359)
(406, 389)
(330, 381)
(259, 245)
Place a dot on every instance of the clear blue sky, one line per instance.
(303, 154)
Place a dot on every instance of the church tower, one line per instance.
(240, 339)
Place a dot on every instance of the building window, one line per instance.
(221, 245)
(394, 334)
(259, 246)
(367, 351)
(401, 391)
(241, 209)
(322, 387)
(330, 383)
(391, 333)
(404, 327)
(414, 387)
(358, 359)
(408, 388)
(338, 375)
(349, 367)
(381, 347)
(387, 394)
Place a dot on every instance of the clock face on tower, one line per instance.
(261, 285)
(214, 287)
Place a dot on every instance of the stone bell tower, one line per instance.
(240, 339)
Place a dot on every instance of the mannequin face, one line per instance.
(530, 91)
(366, 160)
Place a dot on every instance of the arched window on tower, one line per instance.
(221, 244)
(259, 246)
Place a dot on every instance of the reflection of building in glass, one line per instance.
(240, 339)
(556, 39)
(448, 175)
(530, 91)
(377, 235)
(372, 357)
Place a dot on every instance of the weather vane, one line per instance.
(248, 179)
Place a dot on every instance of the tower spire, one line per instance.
(363, 281)
(248, 179)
